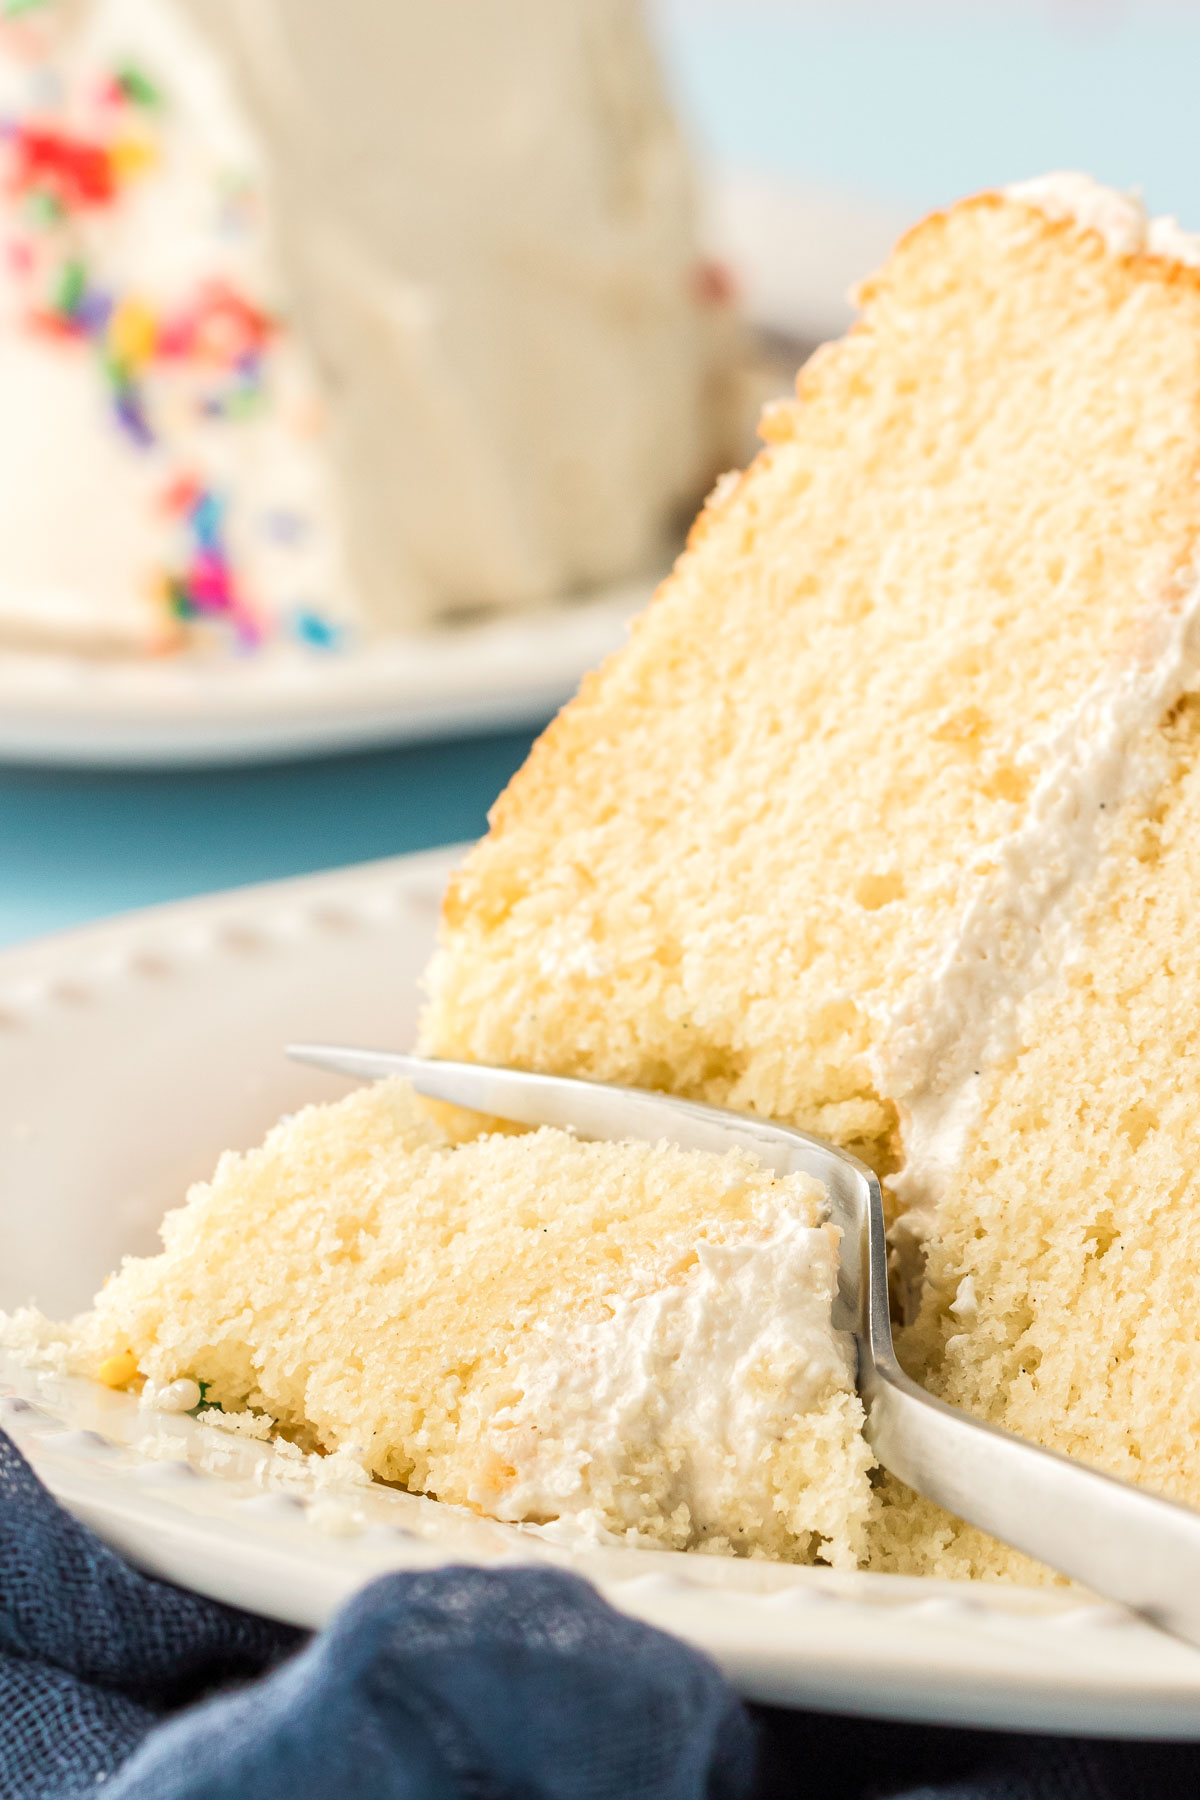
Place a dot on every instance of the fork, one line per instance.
(1121, 1541)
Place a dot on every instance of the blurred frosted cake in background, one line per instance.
(486, 214)
(314, 319)
(161, 464)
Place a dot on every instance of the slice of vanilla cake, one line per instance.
(629, 1338)
(885, 821)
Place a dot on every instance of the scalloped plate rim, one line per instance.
(71, 710)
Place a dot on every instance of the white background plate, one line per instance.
(131, 1054)
(93, 712)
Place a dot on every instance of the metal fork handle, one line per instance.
(1121, 1541)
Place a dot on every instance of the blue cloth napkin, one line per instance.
(459, 1684)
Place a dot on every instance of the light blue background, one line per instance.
(901, 102)
(915, 103)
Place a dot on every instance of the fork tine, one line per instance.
(589, 1108)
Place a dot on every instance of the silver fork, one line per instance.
(1121, 1541)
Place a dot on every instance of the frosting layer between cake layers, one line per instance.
(962, 1015)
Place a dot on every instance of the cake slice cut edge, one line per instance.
(623, 1342)
(840, 836)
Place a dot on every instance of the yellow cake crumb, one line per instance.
(118, 1370)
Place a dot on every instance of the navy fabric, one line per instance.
(519, 1684)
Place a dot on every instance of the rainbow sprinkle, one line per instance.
(205, 585)
(220, 333)
(60, 175)
(71, 172)
(134, 85)
(315, 630)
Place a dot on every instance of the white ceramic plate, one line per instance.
(131, 1054)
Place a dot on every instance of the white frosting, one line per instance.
(962, 1016)
(1120, 219)
(698, 1380)
(499, 275)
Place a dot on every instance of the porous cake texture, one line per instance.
(884, 823)
(626, 1339)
